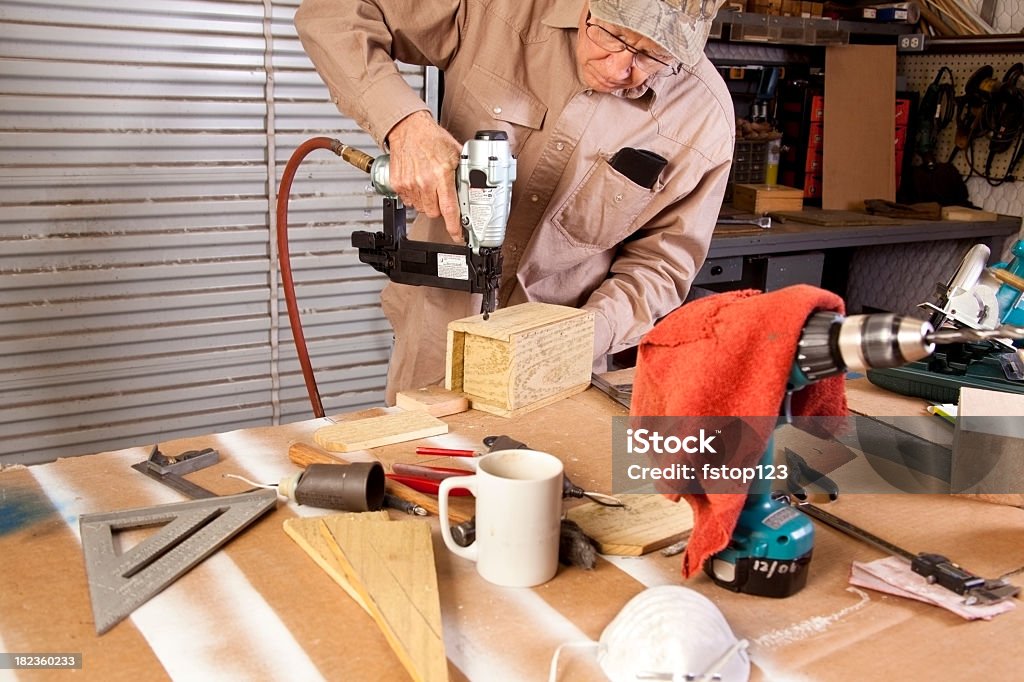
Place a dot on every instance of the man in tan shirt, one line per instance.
(571, 82)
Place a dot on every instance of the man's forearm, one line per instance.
(354, 51)
(652, 273)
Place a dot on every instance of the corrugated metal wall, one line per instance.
(141, 145)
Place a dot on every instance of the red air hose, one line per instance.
(284, 260)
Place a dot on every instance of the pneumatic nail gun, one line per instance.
(484, 180)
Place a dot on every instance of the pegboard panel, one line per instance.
(921, 70)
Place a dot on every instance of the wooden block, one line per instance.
(988, 446)
(363, 434)
(391, 565)
(307, 535)
(761, 199)
(522, 358)
(648, 522)
(971, 215)
(434, 400)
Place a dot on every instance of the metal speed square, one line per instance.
(170, 470)
(120, 582)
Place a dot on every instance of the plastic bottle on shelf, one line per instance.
(771, 176)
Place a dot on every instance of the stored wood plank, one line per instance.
(859, 160)
(972, 215)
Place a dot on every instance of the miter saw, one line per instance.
(975, 304)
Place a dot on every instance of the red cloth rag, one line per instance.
(730, 355)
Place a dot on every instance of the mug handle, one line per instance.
(465, 482)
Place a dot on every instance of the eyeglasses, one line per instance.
(609, 42)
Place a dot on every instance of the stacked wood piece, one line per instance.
(951, 18)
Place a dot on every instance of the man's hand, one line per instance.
(424, 158)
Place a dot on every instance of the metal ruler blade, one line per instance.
(854, 531)
(120, 582)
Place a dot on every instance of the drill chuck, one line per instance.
(883, 340)
(831, 344)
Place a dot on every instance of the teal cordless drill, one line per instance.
(771, 546)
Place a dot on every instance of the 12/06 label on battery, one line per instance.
(452, 266)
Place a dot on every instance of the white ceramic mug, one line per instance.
(518, 516)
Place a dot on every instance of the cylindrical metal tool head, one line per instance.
(355, 487)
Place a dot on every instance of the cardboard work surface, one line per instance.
(260, 608)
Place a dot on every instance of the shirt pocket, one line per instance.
(490, 102)
(602, 211)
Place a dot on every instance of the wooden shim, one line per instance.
(307, 535)
(363, 434)
(391, 565)
(648, 522)
(304, 454)
(434, 400)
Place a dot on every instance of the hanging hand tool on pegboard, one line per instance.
(993, 110)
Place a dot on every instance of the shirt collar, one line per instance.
(642, 94)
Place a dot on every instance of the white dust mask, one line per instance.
(673, 633)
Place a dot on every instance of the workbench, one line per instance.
(260, 609)
(793, 252)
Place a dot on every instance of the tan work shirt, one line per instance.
(579, 233)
